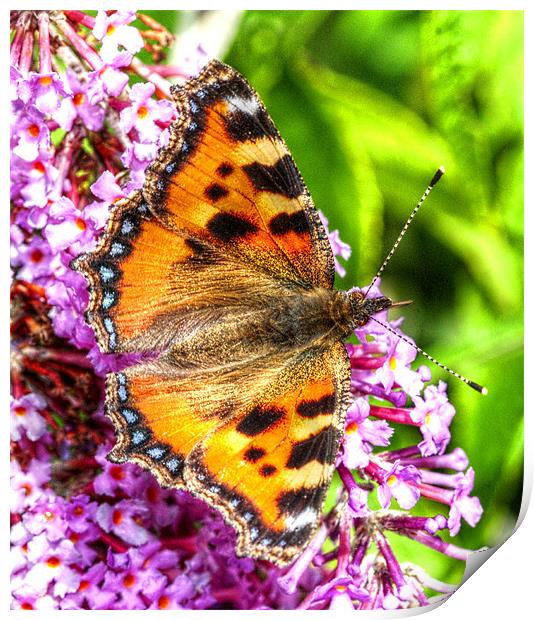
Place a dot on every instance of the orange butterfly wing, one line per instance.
(130, 277)
(268, 469)
(188, 269)
(227, 177)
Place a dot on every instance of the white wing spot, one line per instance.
(249, 106)
(304, 518)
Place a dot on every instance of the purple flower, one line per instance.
(44, 90)
(107, 189)
(122, 520)
(80, 512)
(463, 505)
(338, 594)
(27, 486)
(25, 417)
(163, 511)
(175, 595)
(401, 483)
(51, 566)
(138, 572)
(396, 369)
(81, 104)
(289, 580)
(29, 602)
(114, 32)
(47, 516)
(68, 227)
(35, 260)
(109, 78)
(143, 113)
(68, 294)
(434, 415)
(362, 434)
(358, 502)
(19, 538)
(339, 247)
(90, 592)
(114, 477)
(31, 137)
(32, 181)
(84, 541)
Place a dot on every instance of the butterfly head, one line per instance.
(363, 308)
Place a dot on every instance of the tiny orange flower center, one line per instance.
(81, 223)
(129, 580)
(78, 511)
(37, 165)
(84, 584)
(117, 517)
(142, 111)
(110, 30)
(49, 516)
(26, 606)
(24, 548)
(392, 480)
(33, 130)
(117, 473)
(393, 363)
(36, 256)
(26, 488)
(352, 427)
(46, 80)
(53, 561)
(152, 494)
(163, 602)
(78, 99)
(74, 537)
(20, 410)
(341, 588)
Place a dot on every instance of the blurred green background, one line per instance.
(370, 104)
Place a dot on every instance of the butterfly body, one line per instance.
(221, 269)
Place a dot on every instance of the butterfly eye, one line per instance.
(362, 309)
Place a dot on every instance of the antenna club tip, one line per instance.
(439, 173)
(479, 388)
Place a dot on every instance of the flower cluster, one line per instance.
(88, 534)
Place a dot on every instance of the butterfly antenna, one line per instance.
(439, 173)
(471, 384)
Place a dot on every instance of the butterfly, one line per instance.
(220, 270)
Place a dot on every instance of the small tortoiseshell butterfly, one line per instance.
(221, 268)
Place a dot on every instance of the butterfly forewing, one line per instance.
(228, 177)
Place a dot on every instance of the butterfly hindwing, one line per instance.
(158, 425)
(267, 469)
